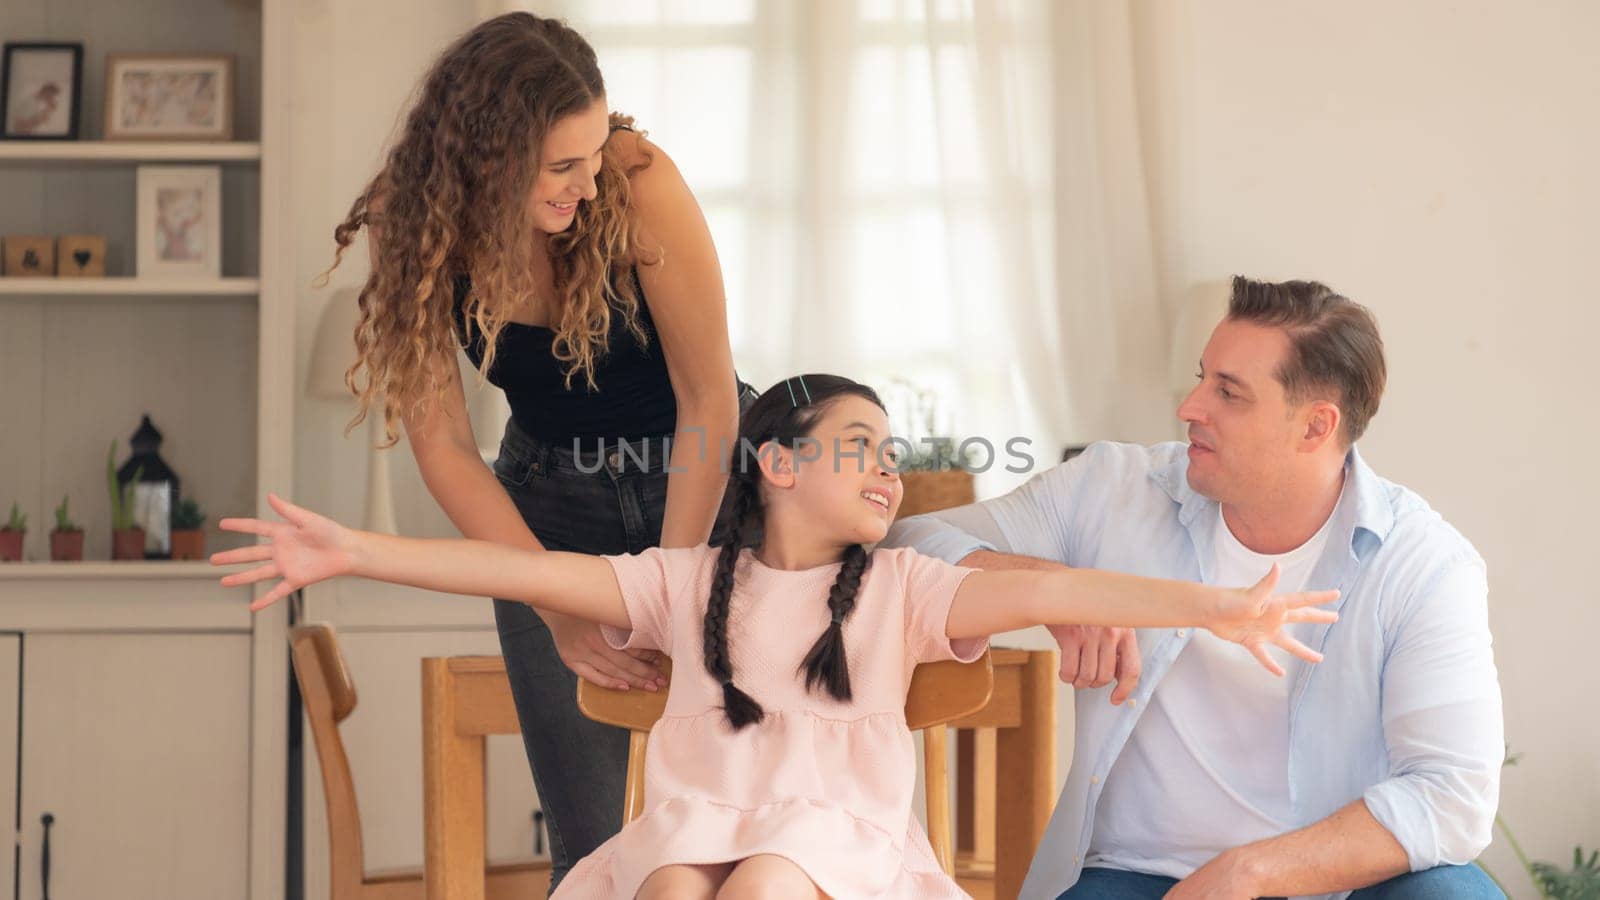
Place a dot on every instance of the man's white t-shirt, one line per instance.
(1206, 768)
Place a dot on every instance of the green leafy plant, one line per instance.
(922, 446)
(18, 521)
(188, 515)
(121, 495)
(936, 455)
(63, 521)
(1581, 882)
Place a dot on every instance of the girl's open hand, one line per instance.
(1254, 617)
(304, 549)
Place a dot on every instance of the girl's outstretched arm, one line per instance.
(989, 602)
(307, 548)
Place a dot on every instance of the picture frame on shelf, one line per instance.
(41, 91)
(169, 98)
(179, 226)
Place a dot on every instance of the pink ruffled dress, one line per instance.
(825, 784)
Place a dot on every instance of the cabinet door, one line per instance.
(383, 739)
(10, 672)
(138, 746)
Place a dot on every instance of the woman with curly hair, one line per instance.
(516, 218)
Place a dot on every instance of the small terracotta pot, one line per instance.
(127, 543)
(11, 545)
(66, 546)
(188, 543)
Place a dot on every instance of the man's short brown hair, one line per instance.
(1333, 345)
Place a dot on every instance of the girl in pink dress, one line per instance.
(783, 761)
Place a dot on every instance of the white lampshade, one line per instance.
(335, 349)
(1204, 305)
(331, 356)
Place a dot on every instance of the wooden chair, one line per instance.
(940, 693)
(329, 696)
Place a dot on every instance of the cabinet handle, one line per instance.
(44, 855)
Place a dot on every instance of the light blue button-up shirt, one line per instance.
(1404, 711)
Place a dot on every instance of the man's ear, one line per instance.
(1322, 424)
(777, 464)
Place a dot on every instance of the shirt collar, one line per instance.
(1368, 509)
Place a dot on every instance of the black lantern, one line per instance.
(156, 494)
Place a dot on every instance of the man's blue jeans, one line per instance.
(1443, 883)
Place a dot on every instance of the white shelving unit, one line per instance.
(94, 570)
(128, 151)
(130, 287)
(154, 714)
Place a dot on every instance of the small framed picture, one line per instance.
(180, 221)
(169, 98)
(40, 88)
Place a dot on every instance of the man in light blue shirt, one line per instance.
(1375, 771)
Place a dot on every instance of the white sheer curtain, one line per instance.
(887, 187)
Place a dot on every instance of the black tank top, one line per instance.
(633, 399)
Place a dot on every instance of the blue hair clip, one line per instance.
(788, 383)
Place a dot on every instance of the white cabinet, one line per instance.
(138, 746)
(129, 713)
(10, 683)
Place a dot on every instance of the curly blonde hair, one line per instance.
(451, 200)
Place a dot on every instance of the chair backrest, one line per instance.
(940, 693)
(329, 696)
(324, 642)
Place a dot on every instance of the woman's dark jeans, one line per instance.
(589, 502)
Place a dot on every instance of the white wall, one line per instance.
(1436, 161)
(357, 64)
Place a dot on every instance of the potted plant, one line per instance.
(11, 535)
(936, 477)
(188, 540)
(935, 472)
(66, 541)
(1581, 882)
(127, 539)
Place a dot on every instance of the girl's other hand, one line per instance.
(1254, 617)
(304, 549)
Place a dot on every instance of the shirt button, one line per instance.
(1132, 702)
(1094, 779)
(1180, 632)
(1075, 858)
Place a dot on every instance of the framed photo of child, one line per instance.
(169, 98)
(179, 230)
(40, 91)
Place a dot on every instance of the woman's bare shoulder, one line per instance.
(645, 162)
